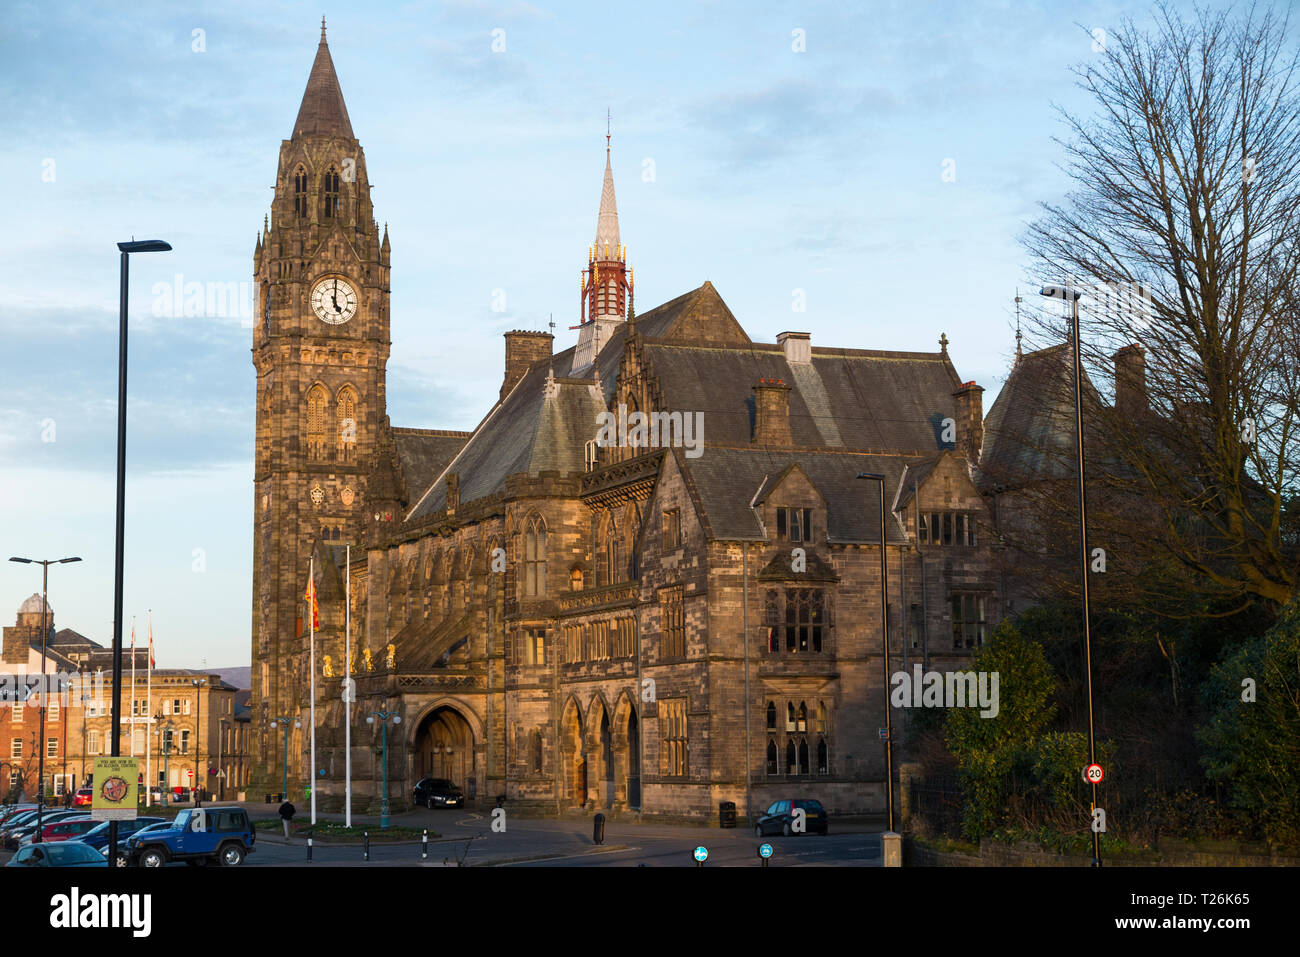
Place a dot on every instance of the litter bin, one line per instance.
(598, 829)
(727, 814)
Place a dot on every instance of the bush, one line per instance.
(1254, 745)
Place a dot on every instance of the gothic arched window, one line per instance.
(535, 559)
(803, 756)
(331, 194)
(300, 193)
(771, 757)
(791, 759)
(803, 716)
(789, 716)
(821, 717)
(771, 716)
(537, 752)
(345, 417)
(317, 402)
(823, 757)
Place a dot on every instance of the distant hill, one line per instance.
(239, 677)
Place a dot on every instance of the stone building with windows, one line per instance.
(181, 723)
(648, 581)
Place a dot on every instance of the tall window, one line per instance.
(537, 752)
(968, 622)
(331, 194)
(534, 652)
(535, 559)
(16, 748)
(672, 730)
(51, 747)
(673, 622)
(317, 404)
(572, 643)
(300, 193)
(52, 712)
(345, 417)
(672, 528)
(771, 757)
(771, 716)
(185, 741)
(805, 617)
(92, 742)
(823, 757)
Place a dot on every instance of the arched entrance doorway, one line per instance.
(626, 770)
(444, 748)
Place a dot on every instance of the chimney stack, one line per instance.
(970, 420)
(522, 350)
(1130, 381)
(772, 413)
(797, 346)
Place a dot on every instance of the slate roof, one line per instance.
(422, 454)
(529, 432)
(322, 109)
(725, 480)
(1029, 432)
(843, 398)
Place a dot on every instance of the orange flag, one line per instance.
(311, 600)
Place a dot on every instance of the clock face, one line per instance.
(334, 300)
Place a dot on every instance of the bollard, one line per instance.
(308, 845)
(365, 843)
(424, 846)
(598, 829)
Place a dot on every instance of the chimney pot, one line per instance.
(797, 346)
(772, 413)
(1130, 380)
(523, 348)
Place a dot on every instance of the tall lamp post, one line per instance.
(141, 246)
(1071, 294)
(198, 734)
(296, 724)
(384, 717)
(45, 634)
(884, 631)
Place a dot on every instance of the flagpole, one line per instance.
(148, 731)
(134, 709)
(311, 614)
(347, 696)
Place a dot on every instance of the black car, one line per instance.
(779, 817)
(98, 837)
(438, 792)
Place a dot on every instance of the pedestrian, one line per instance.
(287, 811)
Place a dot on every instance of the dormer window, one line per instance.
(947, 528)
(331, 194)
(794, 524)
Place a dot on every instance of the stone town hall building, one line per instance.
(628, 625)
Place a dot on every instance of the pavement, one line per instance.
(465, 837)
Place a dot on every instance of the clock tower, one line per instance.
(320, 347)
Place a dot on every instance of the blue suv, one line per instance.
(198, 835)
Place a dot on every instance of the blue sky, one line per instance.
(774, 170)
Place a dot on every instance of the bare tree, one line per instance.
(1187, 197)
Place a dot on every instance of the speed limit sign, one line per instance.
(1093, 774)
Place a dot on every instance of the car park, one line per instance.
(437, 792)
(97, 837)
(64, 854)
(223, 835)
(22, 828)
(779, 818)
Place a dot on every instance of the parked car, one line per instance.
(69, 829)
(13, 836)
(63, 854)
(181, 795)
(159, 824)
(97, 837)
(438, 792)
(11, 811)
(779, 817)
(221, 834)
(83, 797)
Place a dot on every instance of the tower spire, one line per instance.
(1018, 301)
(323, 110)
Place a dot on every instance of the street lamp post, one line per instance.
(296, 724)
(198, 684)
(884, 631)
(383, 717)
(1072, 294)
(142, 246)
(45, 634)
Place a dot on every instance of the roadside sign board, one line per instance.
(1093, 774)
(115, 792)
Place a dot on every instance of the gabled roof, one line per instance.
(322, 110)
(422, 454)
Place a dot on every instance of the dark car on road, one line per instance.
(224, 835)
(63, 854)
(438, 792)
(779, 817)
(97, 837)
